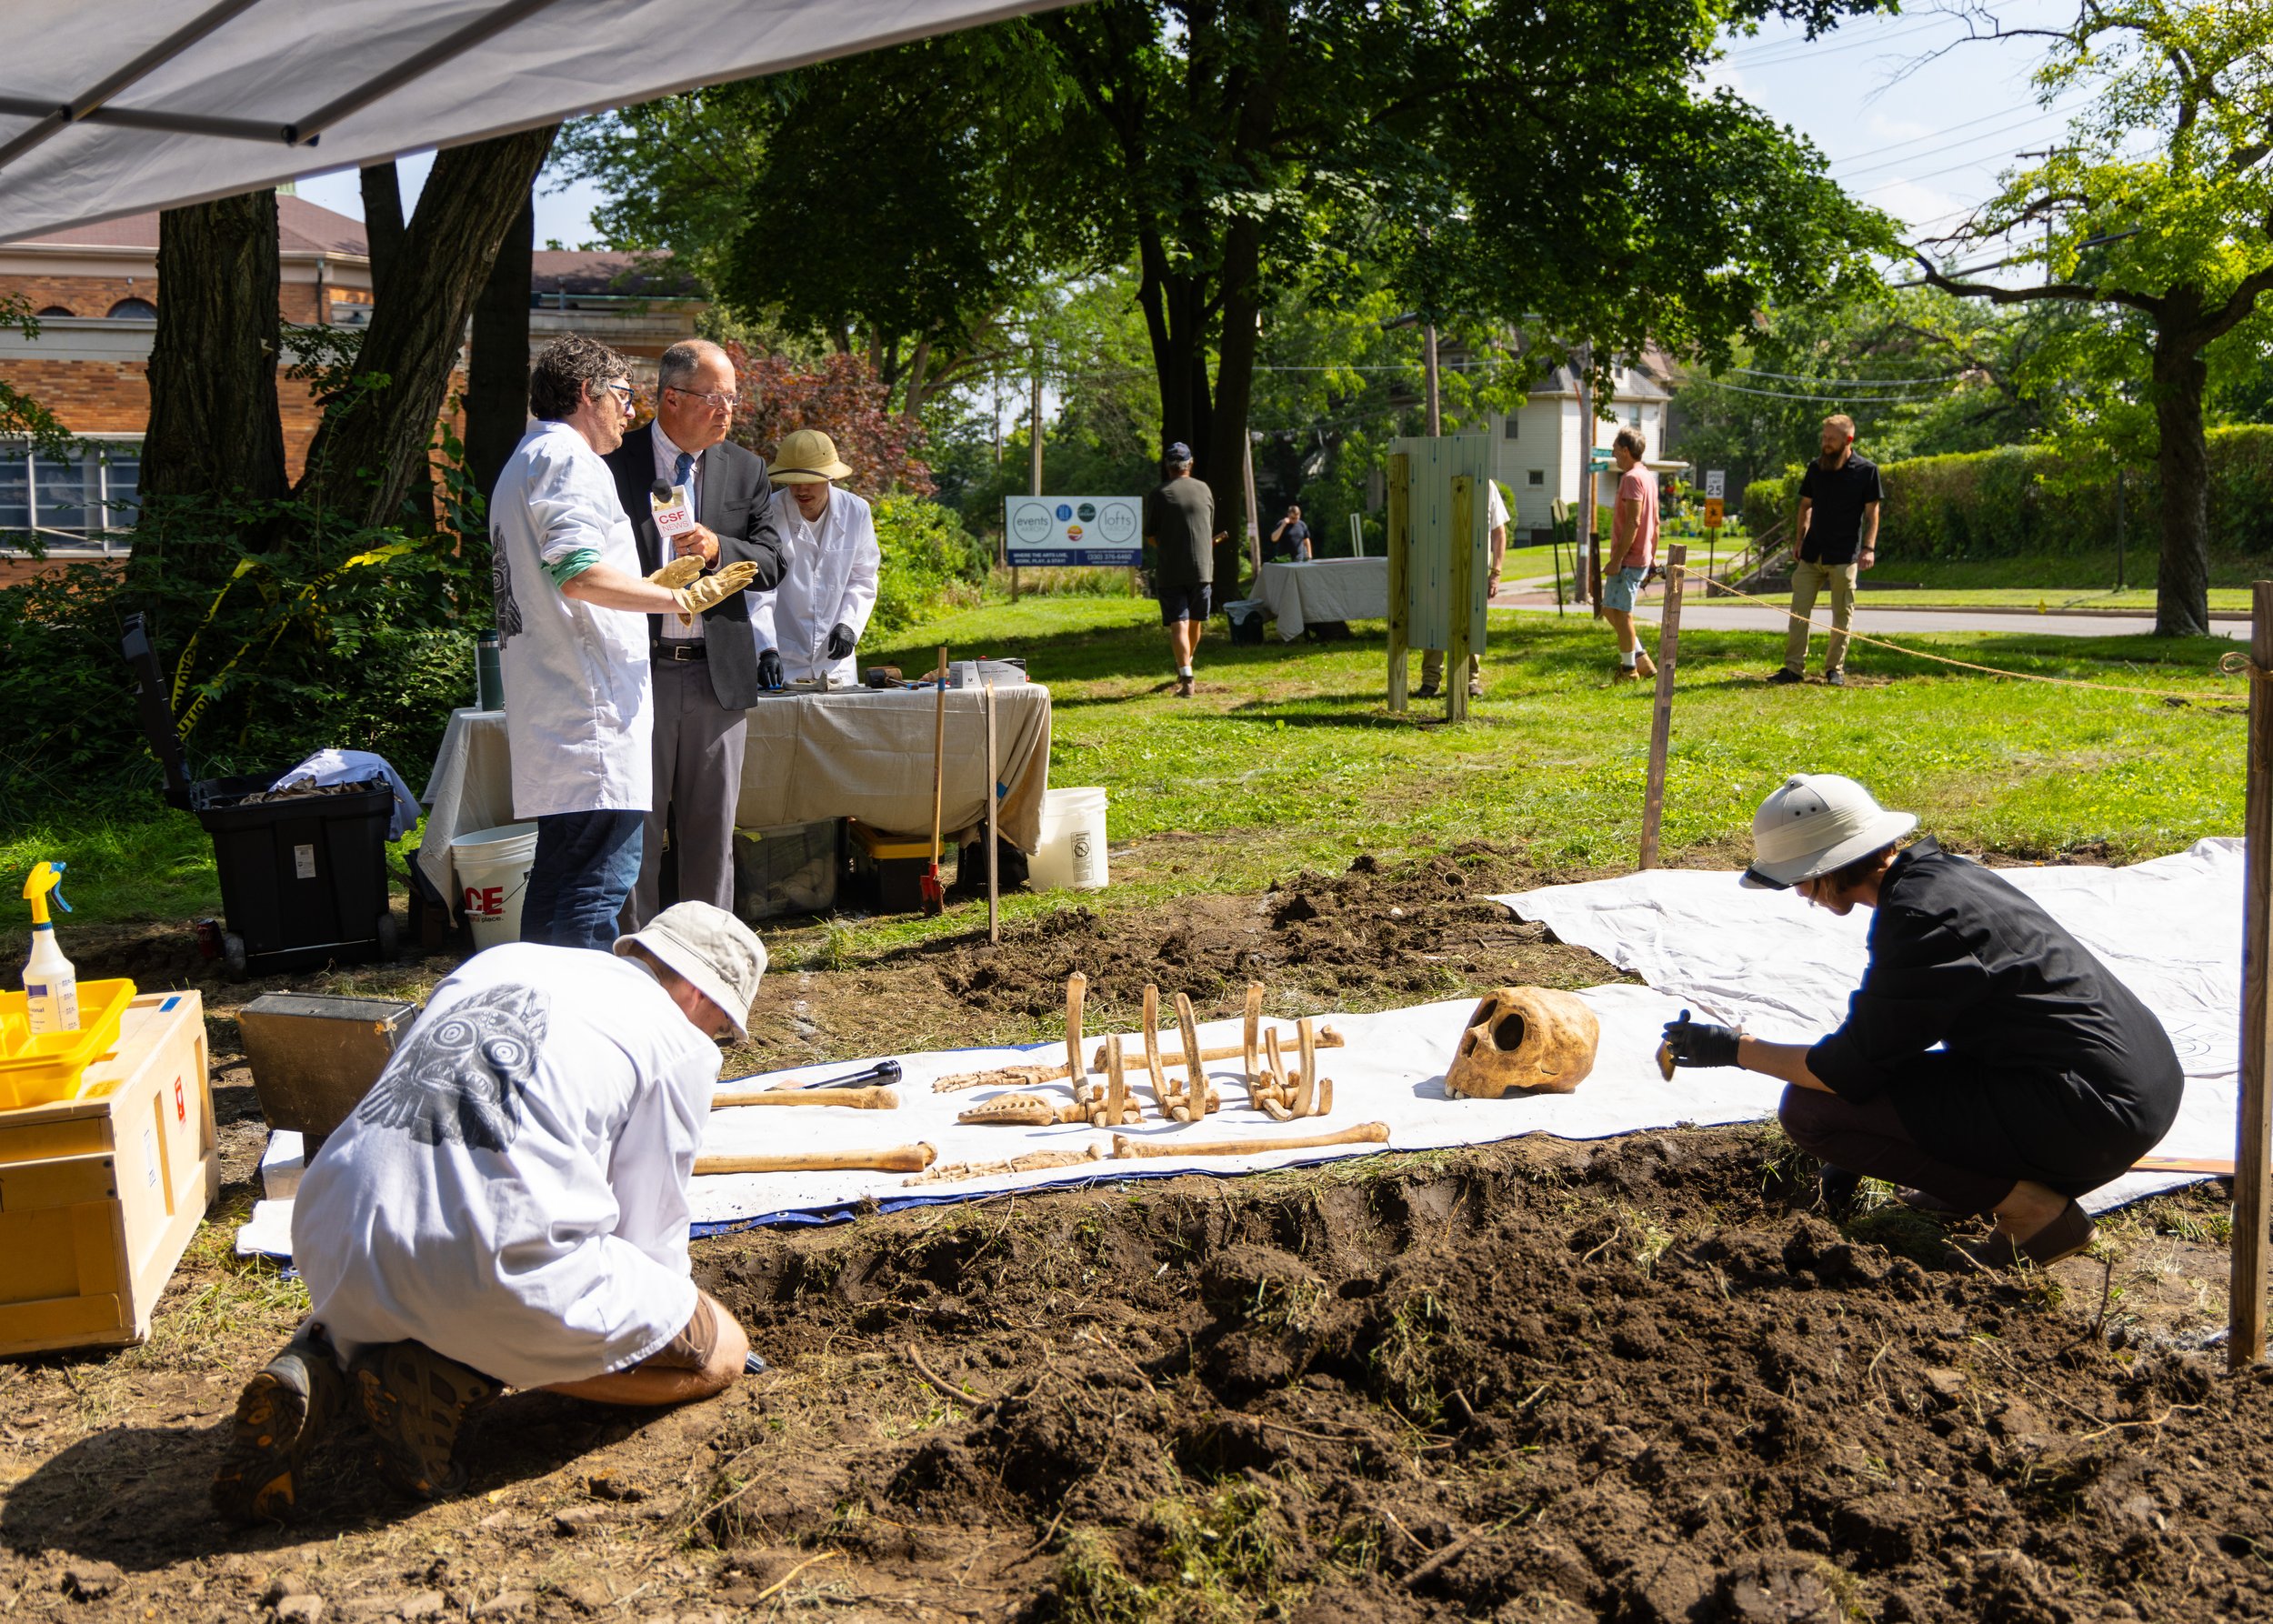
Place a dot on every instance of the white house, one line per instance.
(1535, 449)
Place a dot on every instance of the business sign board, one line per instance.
(1107, 531)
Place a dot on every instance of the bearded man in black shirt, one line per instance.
(1989, 1059)
(1837, 527)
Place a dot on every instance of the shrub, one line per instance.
(929, 558)
(2026, 500)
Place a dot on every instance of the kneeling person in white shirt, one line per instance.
(508, 1208)
(807, 628)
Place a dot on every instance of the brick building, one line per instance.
(95, 290)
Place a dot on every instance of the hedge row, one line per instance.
(2024, 500)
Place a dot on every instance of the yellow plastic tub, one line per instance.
(41, 1070)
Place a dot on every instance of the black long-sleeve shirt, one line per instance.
(1961, 958)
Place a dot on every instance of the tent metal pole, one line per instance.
(54, 118)
(446, 49)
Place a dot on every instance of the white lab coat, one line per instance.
(579, 713)
(829, 575)
(513, 1191)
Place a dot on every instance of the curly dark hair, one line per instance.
(566, 370)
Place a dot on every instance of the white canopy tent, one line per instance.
(110, 109)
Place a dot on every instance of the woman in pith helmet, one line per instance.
(1988, 1059)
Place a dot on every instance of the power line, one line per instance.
(1847, 399)
(1932, 134)
(2001, 131)
(1778, 52)
(1790, 377)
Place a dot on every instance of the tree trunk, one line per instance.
(2182, 579)
(370, 450)
(382, 223)
(918, 365)
(497, 368)
(1235, 388)
(214, 430)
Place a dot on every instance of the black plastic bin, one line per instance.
(303, 877)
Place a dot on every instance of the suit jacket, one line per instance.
(737, 505)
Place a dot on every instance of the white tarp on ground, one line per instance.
(1391, 1070)
(2171, 928)
(229, 83)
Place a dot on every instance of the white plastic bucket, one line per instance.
(1071, 856)
(493, 876)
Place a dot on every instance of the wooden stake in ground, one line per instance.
(1466, 506)
(1400, 523)
(1661, 709)
(935, 895)
(994, 797)
(897, 1158)
(2245, 1343)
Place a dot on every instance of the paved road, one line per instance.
(1731, 617)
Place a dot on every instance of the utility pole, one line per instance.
(2048, 154)
(1428, 364)
(1037, 427)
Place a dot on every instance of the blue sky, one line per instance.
(1918, 122)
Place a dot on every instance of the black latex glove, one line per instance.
(841, 638)
(1699, 1043)
(768, 669)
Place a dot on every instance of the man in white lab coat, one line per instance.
(508, 1206)
(572, 606)
(807, 628)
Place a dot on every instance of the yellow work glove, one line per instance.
(713, 589)
(678, 573)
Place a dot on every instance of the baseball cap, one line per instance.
(1815, 823)
(720, 957)
(1178, 452)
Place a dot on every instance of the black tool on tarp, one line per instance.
(882, 1072)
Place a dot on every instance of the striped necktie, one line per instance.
(686, 467)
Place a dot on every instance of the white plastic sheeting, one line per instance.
(114, 109)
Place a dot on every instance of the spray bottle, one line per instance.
(51, 987)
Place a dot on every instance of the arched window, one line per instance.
(134, 310)
(56, 310)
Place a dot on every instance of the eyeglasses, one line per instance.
(723, 400)
(623, 394)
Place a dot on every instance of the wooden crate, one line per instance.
(100, 1195)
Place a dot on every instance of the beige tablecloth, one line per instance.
(1325, 589)
(850, 753)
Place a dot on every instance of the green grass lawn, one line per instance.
(2048, 600)
(1287, 757)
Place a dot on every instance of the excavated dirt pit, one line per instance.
(1639, 1379)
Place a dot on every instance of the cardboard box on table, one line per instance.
(99, 1194)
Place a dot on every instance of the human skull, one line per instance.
(1524, 1040)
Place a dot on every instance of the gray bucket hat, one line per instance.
(720, 957)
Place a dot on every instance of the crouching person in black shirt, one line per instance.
(2050, 1078)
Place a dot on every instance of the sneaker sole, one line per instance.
(258, 1479)
(417, 1441)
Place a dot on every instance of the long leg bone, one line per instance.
(1195, 1061)
(861, 1100)
(1365, 1133)
(900, 1158)
(1328, 1037)
(1161, 1095)
(1254, 1019)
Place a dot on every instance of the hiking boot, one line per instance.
(1835, 677)
(418, 1405)
(281, 1413)
(1475, 690)
(1427, 690)
(1784, 676)
(1644, 664)
(1184, 687)
(1622, 671)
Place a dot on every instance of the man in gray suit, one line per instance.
(706, 674)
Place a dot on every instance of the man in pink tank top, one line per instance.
(1633, 549)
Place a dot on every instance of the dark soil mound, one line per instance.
(1635, 1380)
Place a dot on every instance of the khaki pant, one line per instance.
(1433, 668)
(1807, 581)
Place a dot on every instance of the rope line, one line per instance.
(1715, 588)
